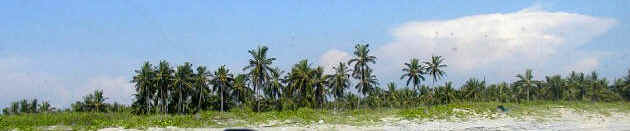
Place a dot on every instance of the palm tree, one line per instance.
(447, 93)
(339, 81)
(183, 82)
(221, 80)
(526, 81)
(433, 67)
(259, 68)
(275, 85)
(45, 107)
(473, 89)
(392, 95)
(556, 86)
(300, 82)
(414, 72)
(164, 78)
(145, 87)
(241, 91)
(96, 100)
(361, 68)
(202, 79)
(577, 81)
(319, 83)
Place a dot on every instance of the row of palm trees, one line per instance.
(27, 106)
(165, 89)
(181, 90)
(95, 102)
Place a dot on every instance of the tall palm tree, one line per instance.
(275, 85)
(526, 81)
(556, 86)
(300, 83)
(259, 68)
(221, 80)
(202, 79)
(434, 66)
(145, 87)
(414, 72)
(361, 71)
(164, 78)
(241, 91)
(183, 82)
(339, 81)
(319, 83)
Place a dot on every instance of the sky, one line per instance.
(61, 50)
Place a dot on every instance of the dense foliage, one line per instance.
(26, 106)
(182, 89)
(264, 87)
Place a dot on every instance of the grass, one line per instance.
(300, 117)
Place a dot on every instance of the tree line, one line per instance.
(182, 89)
(262, 87)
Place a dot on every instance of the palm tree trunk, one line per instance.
(179, 110)
(199, 102)
(221, 99)
(147, 103)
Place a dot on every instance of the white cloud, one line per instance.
(116, 89)
(480, 43)
(585, 65)
(331, 58)
(21, 81)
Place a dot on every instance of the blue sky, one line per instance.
(60, 50)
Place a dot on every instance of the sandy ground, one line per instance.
(560, 119)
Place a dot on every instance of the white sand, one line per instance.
(559, 119)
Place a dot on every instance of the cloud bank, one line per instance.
(496, 45)
(332, 58)
(20, 82)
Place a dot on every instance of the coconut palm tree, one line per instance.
(145, 87)
(339, 81)
(259, 68)
(222, 79)
(275, 85)
(433, 68)
(414, 72)
(392, 95)
(526, 82)
(183, 82)
(319, 83)
(45, 107)
(556, 86)
(473, 89)
(164, 79)
(202, 79)
(447, 93)
(577, 81)
(241, 91)
(300, 83)
(361, 61)
(96, 100)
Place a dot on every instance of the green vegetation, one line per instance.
(242, 117)
(180, 96)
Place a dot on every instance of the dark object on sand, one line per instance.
(238, 130)
(501, 108)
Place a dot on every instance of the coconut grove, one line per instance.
(187, 95)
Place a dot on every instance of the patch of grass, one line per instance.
(244, 117)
